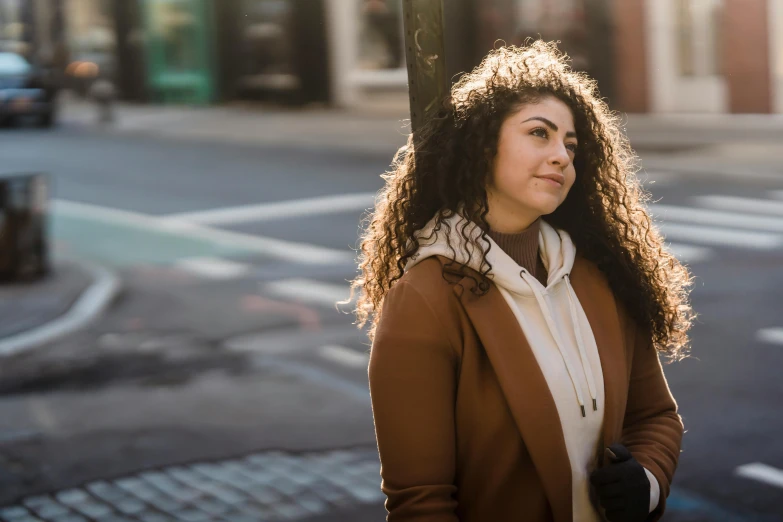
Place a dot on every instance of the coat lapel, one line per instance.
(597, 300)
(526, 391)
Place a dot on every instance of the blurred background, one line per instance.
(182, 186)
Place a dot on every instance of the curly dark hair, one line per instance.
(446, 167)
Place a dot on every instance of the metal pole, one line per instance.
(423, 23)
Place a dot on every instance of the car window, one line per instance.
(11, 63)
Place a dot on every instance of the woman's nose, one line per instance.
(560, 156)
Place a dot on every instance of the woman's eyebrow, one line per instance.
(551, 125)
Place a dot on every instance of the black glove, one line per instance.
(622, 486)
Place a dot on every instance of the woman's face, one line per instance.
(534, 166)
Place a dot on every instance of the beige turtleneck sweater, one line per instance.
(523, 249)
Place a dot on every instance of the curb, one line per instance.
(88, 306)
(383, 150)
(378, 149)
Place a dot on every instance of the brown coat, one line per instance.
(467, 429)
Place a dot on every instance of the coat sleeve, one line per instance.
(412, 374)
(652, 428)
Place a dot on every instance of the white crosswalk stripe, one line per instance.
(762, 473)
(722, 237)
(310, 291)
(279, 210)
(738, 204)
(344, 356)
(690, 254)
(213, 267)
(692, 234)
(698, 216)
(770, 335)
(727, 221)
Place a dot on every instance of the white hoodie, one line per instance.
(558, 332)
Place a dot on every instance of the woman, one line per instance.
(519, 298)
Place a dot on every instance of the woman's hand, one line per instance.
(622, 487)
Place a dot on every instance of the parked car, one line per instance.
(25, 90)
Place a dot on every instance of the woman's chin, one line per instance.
(547, 205)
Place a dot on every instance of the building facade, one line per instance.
(649, 56)
(702, 56)
(34, 29)
(273, 50)
(201, 51)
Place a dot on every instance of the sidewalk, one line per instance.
(91, 424)
(25, 305)
(243, 441)
(251, 125)
(690, 143)
(148, 417)
(34, 313)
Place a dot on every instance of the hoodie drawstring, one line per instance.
(558, 342)
(580, 344)
(553, 330)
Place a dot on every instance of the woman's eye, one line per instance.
(540, 132)
(572, 147)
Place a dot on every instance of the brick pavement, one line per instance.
(262, 486)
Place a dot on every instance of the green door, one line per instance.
(179, 58)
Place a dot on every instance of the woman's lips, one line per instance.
(553, 179)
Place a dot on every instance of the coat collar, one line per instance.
(525, 387)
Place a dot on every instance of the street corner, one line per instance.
(221, 301)
(37, 312)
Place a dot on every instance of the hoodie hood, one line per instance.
(558, 307)
(556, 249)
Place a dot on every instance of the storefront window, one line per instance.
(698, 36)
(381, 43)
(561, 20)
(177, 29)
(513, 21)
(267, 53)
(179, 65)
(12, 28)
(91, 36)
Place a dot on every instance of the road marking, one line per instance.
(213, 267)
(310, 291)
(279, 210)
(344, 356)
(717, 218)
(286, 250)
(762, 473)
(716, 236)
(770, 335)
(86, 309)
(752, 205)
(652, 179)
(107, 214)
(689, 253)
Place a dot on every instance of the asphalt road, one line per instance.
(132, 203)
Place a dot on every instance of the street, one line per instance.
(224, 359)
